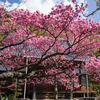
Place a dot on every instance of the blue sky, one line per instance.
(45, 6)
(92, 6)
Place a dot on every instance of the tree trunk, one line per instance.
(56, 89)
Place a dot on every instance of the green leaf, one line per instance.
(96, 52)
(82, 3)
(0, 96)
(3, 98)
(93, 14)
(6, 97)
(1, 38)
(10, 98)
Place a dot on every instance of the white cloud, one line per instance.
(44, 6)
(6, 3)
(84, 2)
(81, 1)
(13, 6)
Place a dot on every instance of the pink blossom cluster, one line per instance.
(93, 68)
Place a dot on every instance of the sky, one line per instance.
(44, 6)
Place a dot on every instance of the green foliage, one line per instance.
(0, 96)
(96, 52)
(43, 33)
(17, 90)
(94, 85)
(10, 97)
(93, 14)
(97, 2)
(98, 87)
(82, 3)
(40, 32)
(4, 98)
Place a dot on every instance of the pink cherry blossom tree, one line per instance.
(51, 43)
(93, 66)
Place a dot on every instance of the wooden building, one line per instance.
(47, 91)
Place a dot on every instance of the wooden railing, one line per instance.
(47, 91)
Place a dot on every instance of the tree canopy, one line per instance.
(51, 43)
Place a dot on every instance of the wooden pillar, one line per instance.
(84, 95)
(71, 94)
(80, 74)
(56, 89)
(34, 92)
